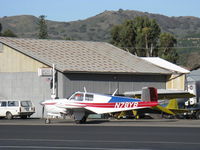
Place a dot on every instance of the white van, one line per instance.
(16, 108)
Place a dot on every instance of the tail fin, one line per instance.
(173, 104)
(149, 94)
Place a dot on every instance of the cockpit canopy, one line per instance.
(80, 96)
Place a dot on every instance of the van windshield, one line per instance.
(26, 103)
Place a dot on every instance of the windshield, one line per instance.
(77, 97)
(26, 103)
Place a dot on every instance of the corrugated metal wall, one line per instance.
(19, 79)
(28, 86)
(25, 86)
(105, 83)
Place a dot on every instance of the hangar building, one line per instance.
(98, 66)
(178, 78)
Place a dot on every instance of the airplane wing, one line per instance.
(163, 94)
(163, 109)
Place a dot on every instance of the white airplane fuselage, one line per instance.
(81, 104)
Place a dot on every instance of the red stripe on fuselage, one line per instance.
(111, 105)
(121, 104)
(52, 103)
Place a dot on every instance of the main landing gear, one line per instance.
(47, 121)
(82, 121)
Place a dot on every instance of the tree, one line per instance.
(124, 36)
(139, 36)
(8, 33)
(147, 31)
(142, 37)
(166, 47)
(43, 34)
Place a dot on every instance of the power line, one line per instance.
(181, 47)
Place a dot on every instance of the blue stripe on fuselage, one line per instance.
(115, 99)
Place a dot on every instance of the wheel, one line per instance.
(197, 115)
(84, 119)
(23, 117)
(47, 121)
(78, 121)
(9, 116)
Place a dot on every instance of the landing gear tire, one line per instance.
(82, 121)
(9, 116)
(78, 121)
(47, 121)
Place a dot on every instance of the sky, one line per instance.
(72, 10)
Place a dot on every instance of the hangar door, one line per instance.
(108, 83)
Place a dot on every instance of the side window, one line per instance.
(3, 104)
(89, 97)
(26, 103)
(13, 103)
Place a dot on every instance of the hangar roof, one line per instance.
(194, 75)
(166, 64)
(83, 56)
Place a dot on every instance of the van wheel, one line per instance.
(198, 115)
(9, 116)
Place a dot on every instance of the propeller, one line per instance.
(43, 108)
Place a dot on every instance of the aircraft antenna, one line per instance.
(115, 92)
(85, 89)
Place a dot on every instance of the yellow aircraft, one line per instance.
(171, 109)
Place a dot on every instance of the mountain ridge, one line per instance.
(97, 28)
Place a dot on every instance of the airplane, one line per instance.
(171, 109)
(81, 104)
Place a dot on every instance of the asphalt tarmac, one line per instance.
(33, 134)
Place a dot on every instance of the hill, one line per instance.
(97, 28)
